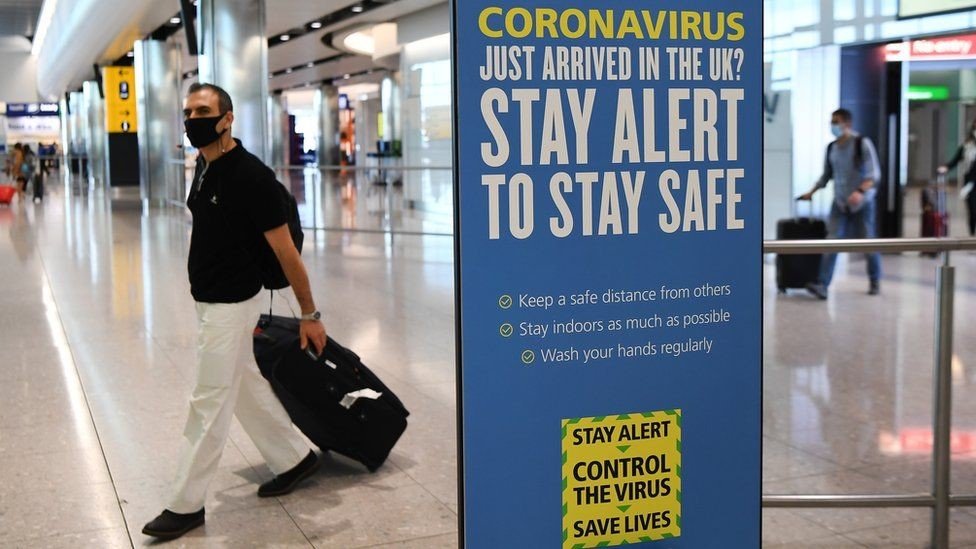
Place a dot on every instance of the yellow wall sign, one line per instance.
(621, 479)
(120, 99)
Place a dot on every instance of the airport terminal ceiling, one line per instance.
(300, 51)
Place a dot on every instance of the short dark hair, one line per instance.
(844, 115)
(21, 179)
(224, 102)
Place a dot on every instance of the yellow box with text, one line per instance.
(621, 479)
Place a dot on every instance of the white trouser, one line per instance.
(228, 384)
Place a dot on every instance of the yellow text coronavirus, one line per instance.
(609, 24)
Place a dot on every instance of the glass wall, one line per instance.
(792, 25)
(802, 44)
(426, 102)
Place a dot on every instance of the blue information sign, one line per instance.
(609, 214)
(17, 110)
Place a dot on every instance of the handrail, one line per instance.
(39, 156)
(820, 501)
(863, 245)
(390, 167)
(330, 168)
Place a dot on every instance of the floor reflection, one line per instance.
(849, 399)
(353, 200)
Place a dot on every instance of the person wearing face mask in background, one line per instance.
(852, 163)
(967, 153)
(238, 214)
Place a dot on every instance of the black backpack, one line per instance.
(858, 151)
(272, 275)
(269, 268)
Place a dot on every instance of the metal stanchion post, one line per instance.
(316, 201)
(941, 463)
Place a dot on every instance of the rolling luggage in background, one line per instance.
(796, 271)
(935, 215)
(7, 193)
(39, 187)
(334, 399)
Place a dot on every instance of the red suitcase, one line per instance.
(935, 224)
(935, 217)
(7, 193)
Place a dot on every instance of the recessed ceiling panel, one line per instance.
(303, 49)
(19, 17)
(336, 69)
(284, 15)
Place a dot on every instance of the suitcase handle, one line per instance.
(319, 358)
(800, 200)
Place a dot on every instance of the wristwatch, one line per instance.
(312, 316)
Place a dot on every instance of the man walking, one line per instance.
(851, 161)
(238, 216)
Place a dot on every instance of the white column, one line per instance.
(95, 137)
(327, 103)
(278, 130)
(234, 56)
(158, 87)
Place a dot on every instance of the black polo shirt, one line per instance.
(233, 201)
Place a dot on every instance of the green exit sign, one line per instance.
(928, 93)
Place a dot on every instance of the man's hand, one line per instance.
(313, 331)
(806, 197)
(855, 199)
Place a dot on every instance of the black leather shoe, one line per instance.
(286, 482)
(875, 288)
(170, 525)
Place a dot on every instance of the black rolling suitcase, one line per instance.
(334, 399)
(39, 186)
(796, 271)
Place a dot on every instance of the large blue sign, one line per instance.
(609, 189)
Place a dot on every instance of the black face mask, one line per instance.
(203, 131)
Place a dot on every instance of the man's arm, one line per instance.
(871, 167)
(828, 174)
(291, 263)
(956, 159)
(870, 173)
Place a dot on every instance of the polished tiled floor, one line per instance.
(97, 332)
